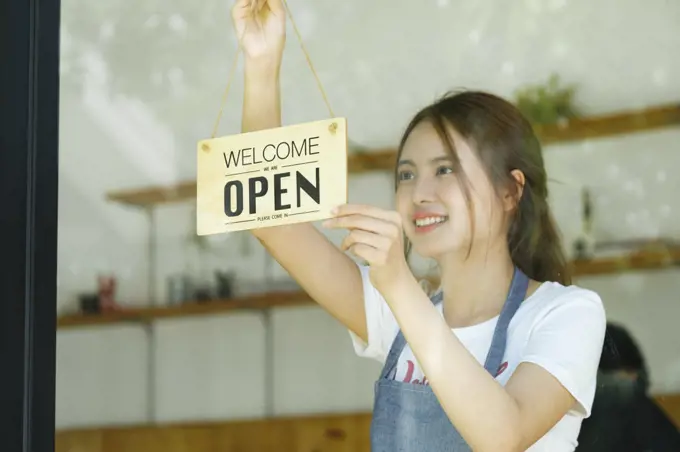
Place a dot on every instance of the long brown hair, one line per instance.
(504, 141)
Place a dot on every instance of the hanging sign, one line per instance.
(271, 177)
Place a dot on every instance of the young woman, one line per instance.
(504, 356)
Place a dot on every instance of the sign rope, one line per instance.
(234, 64)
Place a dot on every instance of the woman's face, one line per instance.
(430, 195)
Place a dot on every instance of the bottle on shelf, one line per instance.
(584, 245)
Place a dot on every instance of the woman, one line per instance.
(504, 356)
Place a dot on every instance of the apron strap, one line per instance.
(516, 294)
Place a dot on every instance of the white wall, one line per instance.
(134, 127)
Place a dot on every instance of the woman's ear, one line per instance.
(514, 194)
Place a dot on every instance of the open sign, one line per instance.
(271, 177)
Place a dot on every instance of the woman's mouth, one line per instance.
(427, 224)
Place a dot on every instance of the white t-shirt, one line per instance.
(560, 328)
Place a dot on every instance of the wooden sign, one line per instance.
(271, 177)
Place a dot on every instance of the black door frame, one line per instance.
(29, 165)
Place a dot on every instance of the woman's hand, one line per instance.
(375, 235)
(261, 29)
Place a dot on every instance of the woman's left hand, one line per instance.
(376, 236)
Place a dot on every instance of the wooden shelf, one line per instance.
(384, 159)
(146, 315)
(602, 126)
(148, 197)
(651, 259)
(642, 260)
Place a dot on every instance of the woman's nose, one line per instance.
(424, 191)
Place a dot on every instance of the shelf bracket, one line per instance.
(269, 380)
(150, 372)
(151, 255)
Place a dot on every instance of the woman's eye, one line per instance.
(405, 175)
(444, 170)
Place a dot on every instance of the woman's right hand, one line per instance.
(261, 29)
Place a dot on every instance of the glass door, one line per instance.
(125, 329)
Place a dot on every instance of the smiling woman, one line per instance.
(471, 194)
(504, 356)
(494, 156)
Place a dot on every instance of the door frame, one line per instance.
(29, 167)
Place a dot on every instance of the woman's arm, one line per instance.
(489, 416)
(329, 276)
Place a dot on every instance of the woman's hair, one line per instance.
(504, 141)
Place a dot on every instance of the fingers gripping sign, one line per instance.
(376, 236)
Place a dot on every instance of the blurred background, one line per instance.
(167, 342)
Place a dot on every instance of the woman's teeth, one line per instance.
(421, 222)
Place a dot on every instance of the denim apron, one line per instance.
(408, 417)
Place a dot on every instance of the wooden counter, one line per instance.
(324, 433)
